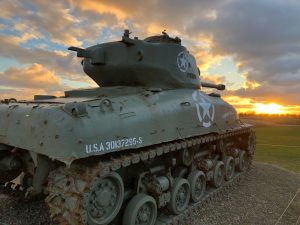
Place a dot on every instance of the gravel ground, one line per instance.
(261, 198)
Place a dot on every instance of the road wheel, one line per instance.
(180, 196)
(197, 183)
(251, 143)
(105, 199)
(218, 176)
(242, 161)
(229, 168)
(141, 210)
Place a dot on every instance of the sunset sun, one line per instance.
(270, 108)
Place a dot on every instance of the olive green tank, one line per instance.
(148, 146)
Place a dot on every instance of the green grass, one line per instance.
(279, 145)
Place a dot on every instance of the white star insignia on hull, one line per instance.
(205, 109)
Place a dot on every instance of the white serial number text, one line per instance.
(112, 145)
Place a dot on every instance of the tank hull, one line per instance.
(72, 128)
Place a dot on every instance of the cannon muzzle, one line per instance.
(80, 52)
(96, 54)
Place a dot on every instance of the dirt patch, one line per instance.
(261, 198)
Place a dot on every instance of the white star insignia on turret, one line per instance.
(182, 61)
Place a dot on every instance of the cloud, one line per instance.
(24, 82)
(261, 35)
(101, 7)
(271, 93)
(264, 37)
(242, 103)
(54, 20)
(33, 76)
(27, 32)
(204, 58)
(57, 21)
(62, 64)
(10, 8)
(150, 16)
(25, 93)
(214, 79)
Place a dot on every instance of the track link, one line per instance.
(68, 187)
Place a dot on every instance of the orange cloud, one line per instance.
(8, 8)
(33, 76)
(242, 105)
(24, 83)
(249, 84)
(57, 21)
(100, 7)
(215, 79)
(204, 58)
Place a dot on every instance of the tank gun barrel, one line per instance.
(80, 52)
(96, 55)
(220, 87)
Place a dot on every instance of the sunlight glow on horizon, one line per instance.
(270, 108)
(249, 106)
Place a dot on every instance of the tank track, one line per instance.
(212, 195)
(68, 187)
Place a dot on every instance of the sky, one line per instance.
(252, 46)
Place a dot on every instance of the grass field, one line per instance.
(279, 145)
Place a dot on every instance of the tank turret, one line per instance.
(157, 61)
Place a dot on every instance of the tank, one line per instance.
(148, 146)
